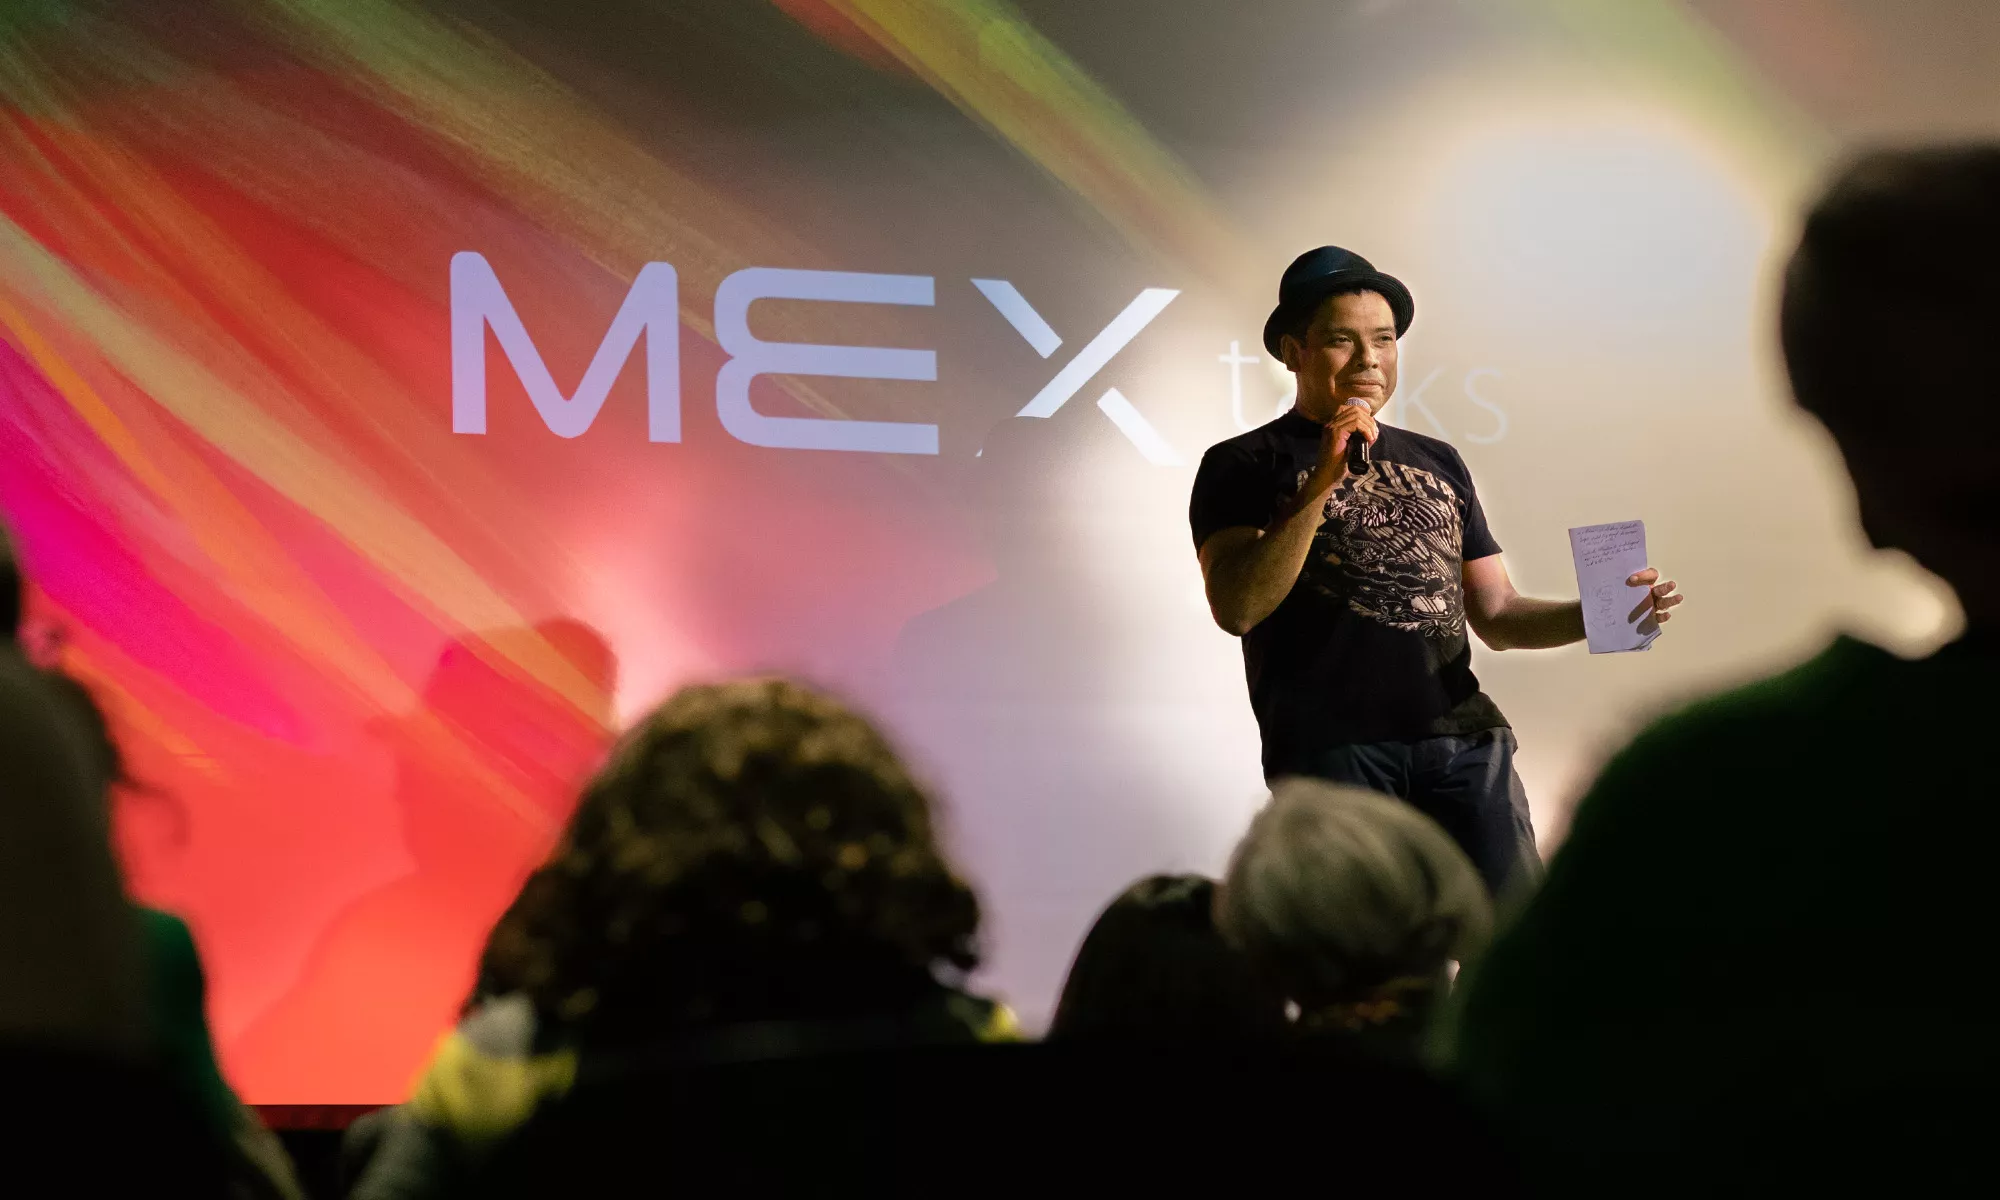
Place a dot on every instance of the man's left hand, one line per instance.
(1659, 599)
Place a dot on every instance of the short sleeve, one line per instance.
(1229, 492)
(1478, 541)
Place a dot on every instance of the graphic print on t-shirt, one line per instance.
(1389, 550)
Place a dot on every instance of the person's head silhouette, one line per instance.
(1154, 968)
(1887, 319)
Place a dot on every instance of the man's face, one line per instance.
(1348, 353)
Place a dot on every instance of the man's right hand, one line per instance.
(1249, 572)
(1349, 421)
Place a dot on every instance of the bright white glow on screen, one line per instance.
(1617, 220)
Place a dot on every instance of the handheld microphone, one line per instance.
(1358, 456)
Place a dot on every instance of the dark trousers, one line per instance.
(1466, 784)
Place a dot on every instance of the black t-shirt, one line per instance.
(1370, 645)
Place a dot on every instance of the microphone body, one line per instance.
(1358, 456)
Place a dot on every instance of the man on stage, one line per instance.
(1351, 584)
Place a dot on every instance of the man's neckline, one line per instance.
(1299, 423)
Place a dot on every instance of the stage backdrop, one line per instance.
(398, 397)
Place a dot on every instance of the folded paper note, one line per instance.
(1616, 615)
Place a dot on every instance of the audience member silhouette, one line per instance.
(1154, 969)
(1754, 964)
(753, 874)
(176, 988)
(68, 941)
(1357, 905)
(75, 1039)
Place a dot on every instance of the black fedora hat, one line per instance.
(1317, 274)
